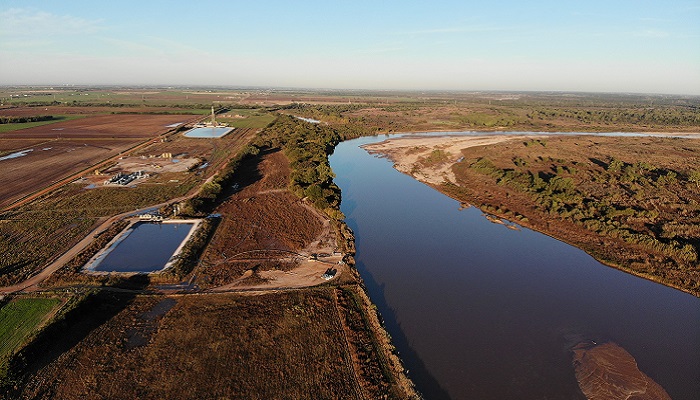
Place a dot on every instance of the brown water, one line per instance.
(478, 311)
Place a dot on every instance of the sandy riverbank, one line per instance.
(446, 163)
(408, 153)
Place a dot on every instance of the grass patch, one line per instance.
(19, 319)
(251, 119)
(24, 125)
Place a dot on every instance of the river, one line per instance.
(479, 311)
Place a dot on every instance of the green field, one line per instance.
(252, 118)
(24, 125)
(19, 319)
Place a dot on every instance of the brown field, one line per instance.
(290, 345)
(12, 145)
(84, 110)
(310, 343)
(261, 215)
(39, 168)
(74, 145)
(104, 127)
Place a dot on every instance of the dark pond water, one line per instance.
(478, 311)
(147, 248)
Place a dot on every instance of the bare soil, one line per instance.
(104, 127)
(262, 222)
(50, 161)
(430, 159)
(13, 145)
(81, 110)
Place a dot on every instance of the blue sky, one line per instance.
(609, 46)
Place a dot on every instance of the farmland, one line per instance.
(103, 127)
(245, 325)
(19, 320)
(52, 160)
(321, 342)
(277, 345)
(70, 146)
(9, 127)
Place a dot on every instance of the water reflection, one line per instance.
(491, 313)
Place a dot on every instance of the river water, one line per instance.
(479, 311)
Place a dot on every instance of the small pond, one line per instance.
(208, 132)
(144, 247)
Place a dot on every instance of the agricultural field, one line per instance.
(293, 344)
(8, 146)
(49, 161)
(45, 120)
(19, 320)
(70, 146)
(104, 127)
(246, 118)
(36, 233)
(278, 206)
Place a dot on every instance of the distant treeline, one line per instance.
(19, 120)
(668, 115)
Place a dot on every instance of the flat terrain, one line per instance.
(255, 319)
(429, 158)
(59, 150)
(265, 227)
(632, 202)
(271, 346)
(103, 126)
(49, 161)
(273, 343)
(62, 217)
(19, 319)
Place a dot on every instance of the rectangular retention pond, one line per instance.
(143, 247)
(208, 132)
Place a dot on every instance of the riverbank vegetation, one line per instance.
(514, 112)
(112, 340)
(631, 202)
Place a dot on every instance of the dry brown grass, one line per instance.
(261, 215)
(272, 346)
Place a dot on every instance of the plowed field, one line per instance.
(64, 148)
(104, 127)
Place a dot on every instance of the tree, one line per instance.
(694, 176)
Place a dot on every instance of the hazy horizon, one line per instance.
(598, 47)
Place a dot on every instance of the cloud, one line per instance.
(21, 22)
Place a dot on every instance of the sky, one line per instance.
(632, 46)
